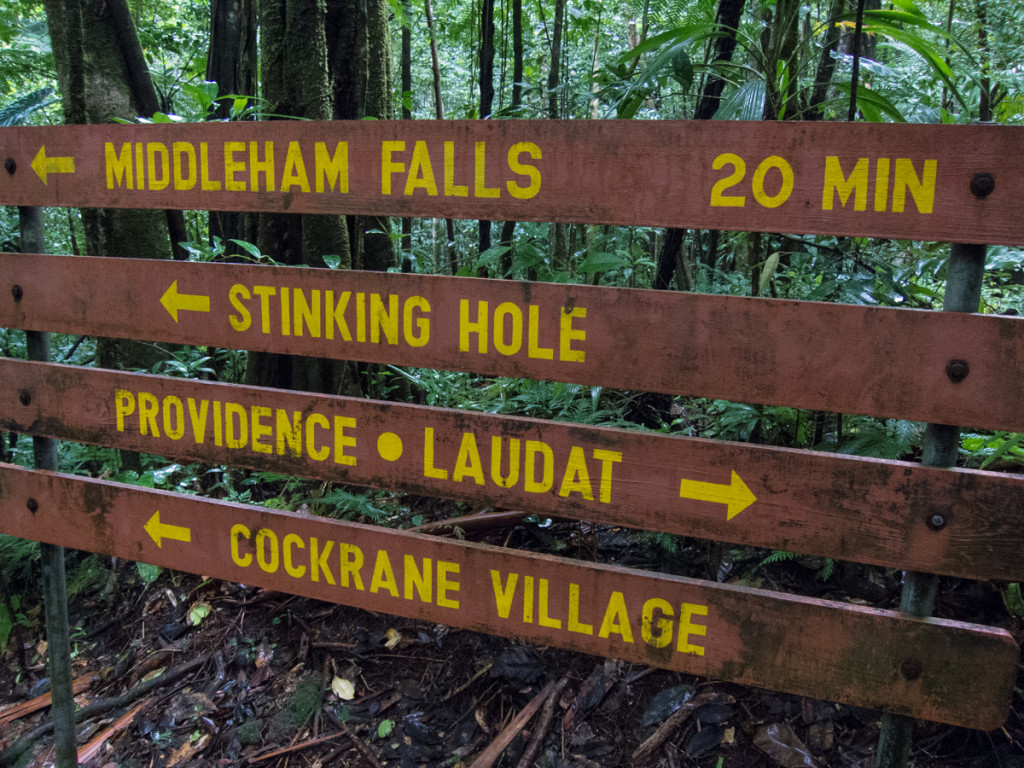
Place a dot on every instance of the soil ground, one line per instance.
(273, 680)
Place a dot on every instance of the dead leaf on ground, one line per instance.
(782, 745)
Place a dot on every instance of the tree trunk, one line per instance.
(231, 63)
(508, 229)
(826, 64)
(95, 88)
(453, 264)
(295, 83)
(486, 96)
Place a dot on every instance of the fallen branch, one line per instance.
(541, 732)
(90, 750)
(487, 758)
(17, 711)
(666, 729)
(10, 755)
(296, 747)
(361, 745)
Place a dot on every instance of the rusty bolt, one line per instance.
(936, 522)
(24, 396)
(33, 505)
(10, 165)
(957, 370)
(911, 669)
(982, 185)
(16, 292)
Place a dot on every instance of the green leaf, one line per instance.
(682, 69)
(385, 728)
(771, 266)
(149, 573)
(743, 103)
(1011, 598)
(602, 262)
(249, 248)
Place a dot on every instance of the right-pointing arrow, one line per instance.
(736, 494)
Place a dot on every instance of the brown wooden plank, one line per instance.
(815, 503)
(929, 668)
(890, 363)
(905, 181)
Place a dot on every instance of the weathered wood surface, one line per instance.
(930, 668)
(957, 522)
(891, 363)
(903, 181)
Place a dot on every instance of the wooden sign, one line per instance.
(957, 522)
(929, 668)
(932, 182)
(910, 364)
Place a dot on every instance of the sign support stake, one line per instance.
(58, 630)
(941, 447)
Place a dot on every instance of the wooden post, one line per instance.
(58, 630)
(941, 446)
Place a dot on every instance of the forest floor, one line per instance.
(210, 673)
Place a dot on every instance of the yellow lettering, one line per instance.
(383, 575)
(124, 405)
(316, 420)
(451, 189)
(382, 319)
(415, 579)
(513, 462)
(533, 349)
(520, 191)
(119, 166)
(686, 628)
(264, 166)
(260, 430)
(922, 188)
(149, 406)
(294, 169)
(306, 313)
(421, 324)
(574, 624)
(616, 619)
(343, 441)
(468, 461)
(236, 426)
(446, 585)
(288, 433)
(480, 188)
(293, 540)
(336, 314)
(568, 334)
(232, 166)
(318, 560)
(542, 603)
(648, 623)
(183, 181)
(837, 183)
(576, 477)
(479, 326)
(243, 319)
(503, 593)
(429, 470)
(243, 561)
(531, 484)
(268, 561)
(331, 168)
(157, 158)
(174, 417)
(205, 183)
(421, 173)
(504, 344)
(351, 558)
(881, 184)
(388, 166)
(198, 419)
(607, 458)
(264, 292)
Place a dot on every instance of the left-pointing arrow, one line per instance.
(44, 165)
(174, 302)
(159, 531)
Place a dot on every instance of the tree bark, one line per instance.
(95, 88)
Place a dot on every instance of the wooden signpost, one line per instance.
(931, 182)
(934, 182)
(960, 522)
(915, 365)
(920, 668)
